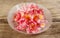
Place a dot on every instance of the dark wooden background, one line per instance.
(7, 32)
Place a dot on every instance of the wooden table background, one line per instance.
(52, 32)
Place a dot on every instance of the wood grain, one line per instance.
(52, 32)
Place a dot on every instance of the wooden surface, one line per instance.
(52, 32)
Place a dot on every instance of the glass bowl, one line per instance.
(47, 15)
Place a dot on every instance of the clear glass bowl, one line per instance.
(47, 15)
